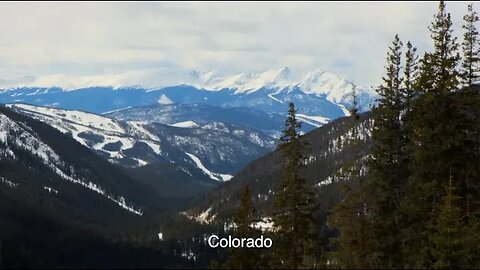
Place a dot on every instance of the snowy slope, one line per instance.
(223, 148)
(214, 176)
(18, 136)
(82, 126)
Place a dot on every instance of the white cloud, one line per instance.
(99, 40)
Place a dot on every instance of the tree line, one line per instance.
(414, 202)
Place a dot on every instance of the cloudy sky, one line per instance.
(57, 43)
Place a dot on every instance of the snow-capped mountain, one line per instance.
(216, 149)
(242, 82)
(318, 82)
(317, 94)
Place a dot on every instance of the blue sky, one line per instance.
(151, 43)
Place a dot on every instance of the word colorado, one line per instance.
(231, 242)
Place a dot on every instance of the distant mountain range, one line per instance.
(317, 95)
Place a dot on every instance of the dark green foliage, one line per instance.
(443, 128)
(449, 236)
(425, 134)
(245, 258)
(445, 144)
(445, 56)
(35, 232)
(388, 165)
(410, 73)
(293, 203)
(426, 74)
(349, 216)
(470, 48)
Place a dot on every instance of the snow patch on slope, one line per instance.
(185, 124)
(78, 117)
(203, 218)
(316, 121)
(164, 100)
(8, 183)
(214, 176)
(50, 190)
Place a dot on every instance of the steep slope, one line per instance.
(328, 152)
(38, 157)
(217, 149)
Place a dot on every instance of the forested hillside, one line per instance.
(402, 191)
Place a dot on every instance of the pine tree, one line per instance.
(449, 236)
(471, 50)
(410, 75)
(350, 215)
(472, 248)
(293, 203)
(443, 146)
(425, 81)
(445, 56)
(393, 80)
(388, 166)
(244, 258)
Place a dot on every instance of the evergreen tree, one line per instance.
(244, 258)
(449, 234)
(445, 56)
(293, 203)
(472, 238)
(410, 75)
(426, 74)
(470, 47)
(388, 166)
(350, 215)
(442, 125)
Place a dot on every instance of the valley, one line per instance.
(169, 162)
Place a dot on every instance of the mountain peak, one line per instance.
(275, 75)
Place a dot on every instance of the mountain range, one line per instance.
(317, 94)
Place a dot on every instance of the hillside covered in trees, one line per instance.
(406, 197)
